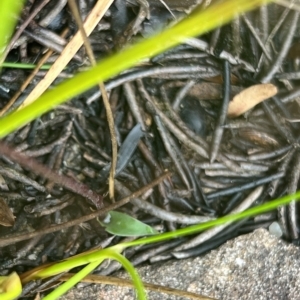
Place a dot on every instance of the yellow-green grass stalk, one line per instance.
(9, 12)
(109, 253)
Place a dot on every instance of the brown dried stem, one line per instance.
(25, 236)
(41, 170)
(109, 114)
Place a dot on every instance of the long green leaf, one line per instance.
(220, 221)
(110, 253)
(196, 24)
(9, 12)
(23, 66)
(62, 289)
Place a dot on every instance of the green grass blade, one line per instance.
(196, 24)
(105, 254)
(9, 12)
(66, 265)
(23, 66)
(141, 293)
(72, 262)
(220, 221)
(63, 288)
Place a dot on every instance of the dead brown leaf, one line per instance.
(6, 216)
(250, 97)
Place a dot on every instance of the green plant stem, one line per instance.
(141, 293)
(9, 12)
(23, 66)
(93, 256)
(63, 288)
(229, 218)
(72, 262)
(105, 254)
(198, 23)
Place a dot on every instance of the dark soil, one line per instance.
(169, 113)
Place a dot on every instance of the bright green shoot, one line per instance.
(9, 12)
(105, 254)
(62, 289)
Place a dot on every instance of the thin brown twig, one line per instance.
(5, 241)
(62, 180)
(109, 114)
(128, 283)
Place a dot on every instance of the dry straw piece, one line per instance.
(250, 97)
(6, 216)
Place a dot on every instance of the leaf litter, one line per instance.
(255, 150)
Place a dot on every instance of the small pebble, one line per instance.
(32, 257)
(275, 229)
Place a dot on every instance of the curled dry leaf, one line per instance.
(250, 97)
(6, 216)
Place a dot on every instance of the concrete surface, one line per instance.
(254, 266)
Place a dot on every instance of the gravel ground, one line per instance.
(254, 266)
